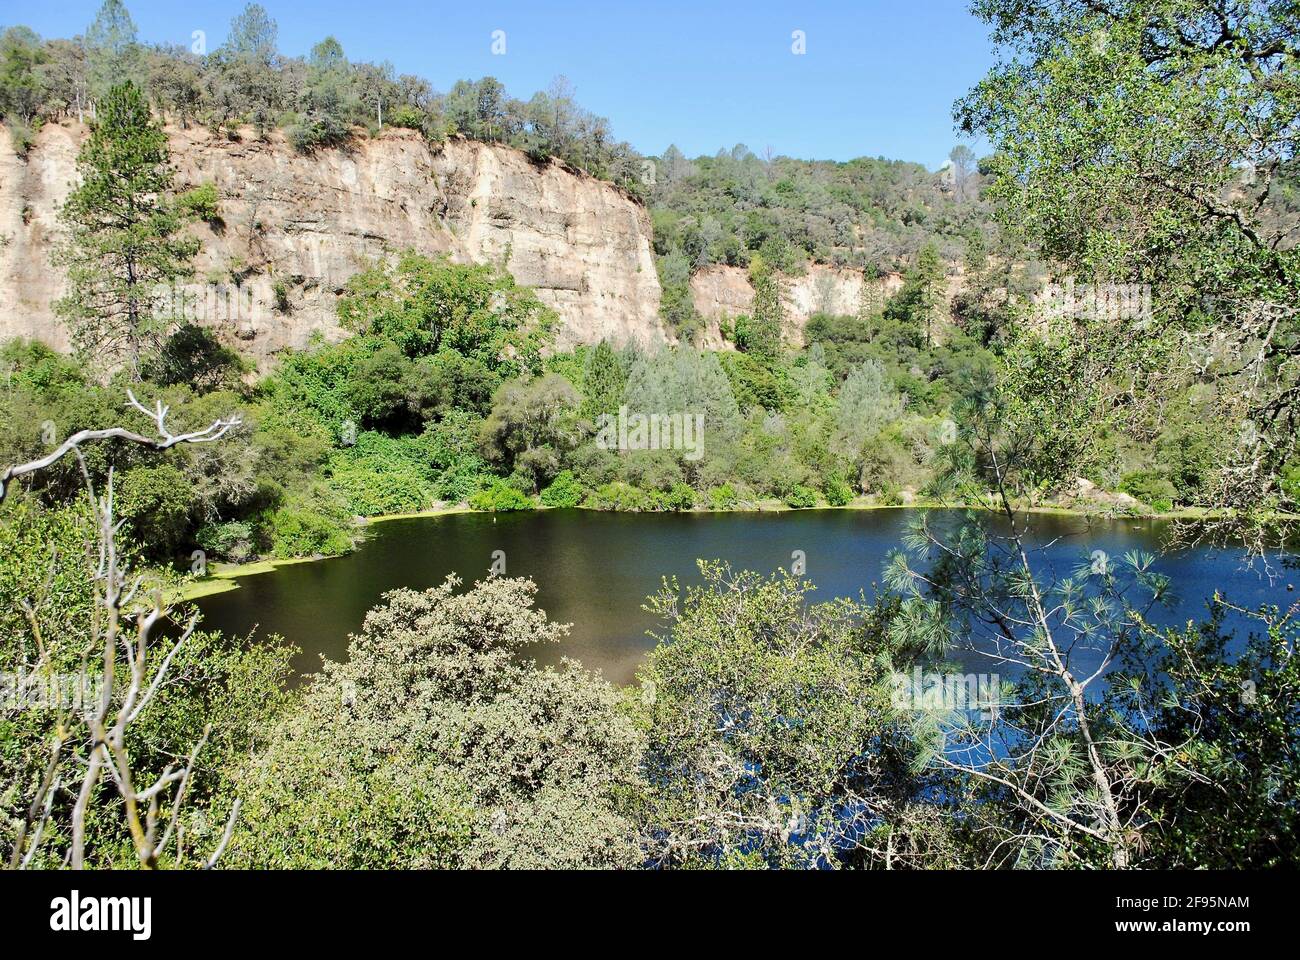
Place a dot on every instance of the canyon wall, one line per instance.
(722, 293)
(295, 227)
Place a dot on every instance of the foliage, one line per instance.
(618, 496)
(1161, 184)
(500, 497)
(123, 234)
(1152, 488)
(800, 497)
(604, 378)
(423, 305)
(531, 427)
(564, 491)
(193, 355)
(437, 744)
(759, 708)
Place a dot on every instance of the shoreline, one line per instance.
(224, 577)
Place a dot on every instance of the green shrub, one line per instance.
(801, 497)
(890, 496)
(501, 497)
(299, 531)
(618, 496)
(407, 116)
(155, 502)
(1151, 487)
(679, 497)
(193, 355)
(202, 202)
(372, 493)
(381, 474)
(837, 492)
(723, 497)
(564, 491)
(232, 540)
(1290, 482)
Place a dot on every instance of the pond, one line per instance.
(594, 570)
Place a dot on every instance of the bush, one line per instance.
(890, 496)
(232, 540)
(193, 355)
(372, 493)
(619, 497)
(838, 493)
(679, 497)
(407, 116)
(156, 502)
(381, 474)
(564, 491)
(1290, 482)
(723, 497)
(201, 203)
(501, 497)
(1152, 488)
(299, 531)
(801, 497)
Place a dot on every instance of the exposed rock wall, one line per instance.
(722, 293)
(301, 225)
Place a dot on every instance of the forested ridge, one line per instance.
(1123, 341)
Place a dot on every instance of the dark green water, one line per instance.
(594, 570)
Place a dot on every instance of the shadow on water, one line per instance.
(594, 570)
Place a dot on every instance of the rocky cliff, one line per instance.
(294, 228)
(722, 293)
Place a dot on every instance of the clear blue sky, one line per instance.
(878, 77)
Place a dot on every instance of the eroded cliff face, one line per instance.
(295, 227)
(722, 293)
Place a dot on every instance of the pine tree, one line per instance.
(112, 48)
(124, 234)
(764, 330)
(927, 281)
(603, 381)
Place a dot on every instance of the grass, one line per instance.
(222, 576)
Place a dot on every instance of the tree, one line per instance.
(688, 381)
(927, 277)
(771, 740)
(253, 34)
(962, 163)
(1238, 711)
(531, 427)
(124, 235)
(428, 305)
(329, 104)
(112, 49)
(1105, 742)
(23, 83)
(867, 404)
(604, 379)
(1160, 182)
(438, 743)
(765, 329)
(247, 65)
(193, 355)
(134, 718)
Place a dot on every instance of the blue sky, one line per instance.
(878, 77)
